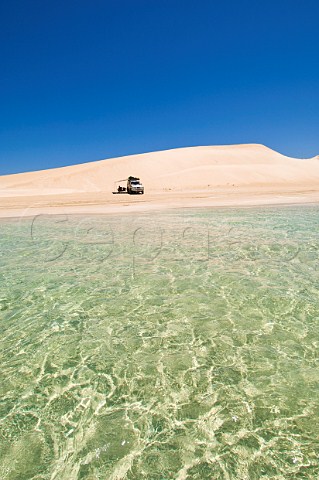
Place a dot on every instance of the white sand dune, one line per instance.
(212, 170)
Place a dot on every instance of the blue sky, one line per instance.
(86, 80)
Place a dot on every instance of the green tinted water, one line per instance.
(180, 345)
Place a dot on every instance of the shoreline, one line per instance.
(104, 203)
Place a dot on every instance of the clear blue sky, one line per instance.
(86, 80)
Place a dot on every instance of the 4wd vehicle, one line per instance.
(134, 185)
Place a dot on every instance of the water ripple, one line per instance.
(177, 346)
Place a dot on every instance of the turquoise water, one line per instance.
(177, 345)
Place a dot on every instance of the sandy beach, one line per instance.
(235, 175)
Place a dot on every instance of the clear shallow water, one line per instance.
(180, 345)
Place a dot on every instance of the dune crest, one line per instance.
(177, 169)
